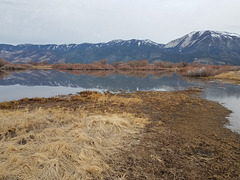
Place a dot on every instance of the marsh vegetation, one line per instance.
(143, 67)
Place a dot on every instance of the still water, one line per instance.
(51, 83)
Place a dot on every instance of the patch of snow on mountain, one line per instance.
(173, 43)
(147, 41)
(219, 34)
(215, 35)
(184, 41)
(116, 41)
(68, 47)
(139, 43)
(228, 34)
(130, 41)
(201, 33)
(188, 40)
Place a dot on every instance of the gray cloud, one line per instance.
(77, 21)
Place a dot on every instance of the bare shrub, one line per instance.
(101, 62)
(2, 62)
(195, 64)
(74, 66)
(163, 64)
(124, 66)
(205, 71)
(181, 64)
(116, 64)
(135, 64)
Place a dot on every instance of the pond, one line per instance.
(47, 83)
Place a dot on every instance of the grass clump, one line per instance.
(61, 143)
(232, 75)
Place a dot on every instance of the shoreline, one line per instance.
(170, 135)
(231, 77)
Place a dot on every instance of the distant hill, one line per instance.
(117, 50)
(210, 47)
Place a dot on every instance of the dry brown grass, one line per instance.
(141, 135)
(103, 99)
(61, 143)
(232, 75)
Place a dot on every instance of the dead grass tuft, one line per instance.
(61, 143)
(97, 97)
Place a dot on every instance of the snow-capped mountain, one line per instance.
(116, 50)
(206, 46)
(203, 46)
(198, 37)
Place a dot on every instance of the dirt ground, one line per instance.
(185, 137)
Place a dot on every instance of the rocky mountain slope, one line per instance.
(206, 46)
(210, 47)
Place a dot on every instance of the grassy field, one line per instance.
(142, 135)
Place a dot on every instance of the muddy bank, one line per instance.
(190, 143)
(184, 137)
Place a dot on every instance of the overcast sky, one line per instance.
(78, 21)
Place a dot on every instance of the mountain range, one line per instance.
(209, 47)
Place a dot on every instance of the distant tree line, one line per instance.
(194, 69)
(131, 65)
(4, 65)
